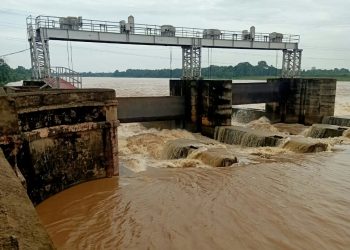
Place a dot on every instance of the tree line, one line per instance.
(241, 70)
(7, 74)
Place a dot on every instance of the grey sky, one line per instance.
(324, 27)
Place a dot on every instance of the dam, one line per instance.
(272, 195)
(81, 127)
(98, 180)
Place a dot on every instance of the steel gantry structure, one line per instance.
(41, 29)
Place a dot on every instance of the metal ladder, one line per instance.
(39, 51)
(40, 58)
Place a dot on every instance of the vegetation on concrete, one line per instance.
(7, 74)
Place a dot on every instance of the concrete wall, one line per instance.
(155, 108)
(304, 100)
(191, 91)
(216, 105)
(20, 227)
(8, 121)
(62, 138)
(208, 103)
(255, 92)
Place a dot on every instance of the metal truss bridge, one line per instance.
(41, 29)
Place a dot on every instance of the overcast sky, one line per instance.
(324, 27)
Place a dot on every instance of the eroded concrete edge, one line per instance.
(20, 227)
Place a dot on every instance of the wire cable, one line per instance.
(16, 52)
(68, 60)
(71, 55)
(171, 61)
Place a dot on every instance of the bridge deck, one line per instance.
(111, 32)
(105, 37)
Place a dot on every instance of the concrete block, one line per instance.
(246, 136)
(193, 149)
(337, 120)
(325, 131)
(305, 145)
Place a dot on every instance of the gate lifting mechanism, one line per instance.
(44, 28)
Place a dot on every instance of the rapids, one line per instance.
(272, 198)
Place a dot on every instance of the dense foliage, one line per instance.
(12, 75)
(241, 70)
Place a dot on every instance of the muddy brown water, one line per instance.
(272, 199)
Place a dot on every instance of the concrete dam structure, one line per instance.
(59, 138)
(54, 139)
(208, 103)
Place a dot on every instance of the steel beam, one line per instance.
(191, 62)
(291, 63)
(108, 37)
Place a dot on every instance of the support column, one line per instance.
(303, 100)
(39, 52)
(208, 103)
(111, 134)
(291, 64)
(191, 62)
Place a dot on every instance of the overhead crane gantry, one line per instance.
(42, 29)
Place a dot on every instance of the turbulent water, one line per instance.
(272, 198)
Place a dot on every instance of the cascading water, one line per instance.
(273, 198)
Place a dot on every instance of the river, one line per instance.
(271, 199)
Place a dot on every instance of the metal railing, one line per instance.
(52, 22)
(67, 75)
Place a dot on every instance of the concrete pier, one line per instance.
(208, 103)
(59, 138)
(20, 227)
(303, 100)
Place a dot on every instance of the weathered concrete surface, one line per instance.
(20, 227)
(216, 105)
(325, 131)
(304, 100)
(143, 109)
(191, 91)
(8, 121)
(258, 138)
(246, 136)
(337, 120)
(297, 100)
(305, 145)
(183, 148)
(208, 103)
(62, 138)
(255, 92)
